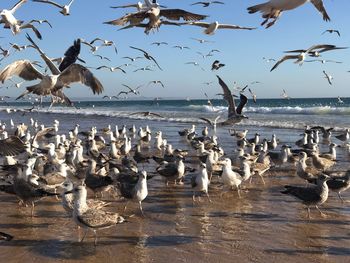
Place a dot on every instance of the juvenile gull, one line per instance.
(90, 218)
(312, 195)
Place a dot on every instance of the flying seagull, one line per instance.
(131, 90)
(147, 56)
(216, 65)
(331, 31)
(141, 6)
(50, 84)
(208, 3)
(156, 82)
(64, 8)
(328, 77)
(9, 20)
(154, 18)
(147, 113)
(112, 69)
(105, 43)
(159, 43)
(234, 114)
(313, 51)
(210, 28)
(274, 8)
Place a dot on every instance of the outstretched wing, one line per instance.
(320, 7)
(282, 60)
(228, 97)
(79, 73)
(177, 14)
(242, 103)
(11, 146)
(21, 68)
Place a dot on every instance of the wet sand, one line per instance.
(261, 226)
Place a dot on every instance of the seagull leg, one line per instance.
(140, 205)
(308, 213)
(81, 240)
(341, 198)
(262, 179)
(321, 213)
(239, 192)
(194, 197)
(95, 240)
(127, 202)
(206, 193)
(32, 210)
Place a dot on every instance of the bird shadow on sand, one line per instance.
(314, 250)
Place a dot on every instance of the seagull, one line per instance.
(210, 28)
(50, 84)
(331, 31)
(202, 40)
(159, 43)
(105, 43)
(253, 95)
(40, 22)
(284, 95)
(200, 181)
(328, 77)
(112, 69)
(18, 47)
(339, 100)
(101, 57)
(64, 8)
(154, 15)
(147, 113)
(313, 195)
(216, 65)
(71, 55)
(90, 218)
(141, 6)
(132, 59)
(181, 47)
(274, 8)
(131, 90)
(148, 68)
(110, 97)
(313, 51)
(147, 56)
(9, 21)
(324, 61)
(234, 114)
(194, 63)
(156, 82)
(206, 4)
(268, 60)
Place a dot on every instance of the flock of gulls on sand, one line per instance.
(40, 161)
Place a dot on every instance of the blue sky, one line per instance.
(241, 51)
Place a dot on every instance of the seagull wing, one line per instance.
(139, 49)
(200, 24)
(21, 68)
(226, 26)
(17, 5)
(79, 73)
(32, 27)
(48, 61)
(96, 39)
(228, 97)
(282, 60)
(242, 103)
(295, 51)
(320, 7)
(156, 114)
(177, 14)
(11, 146)
(48, 2)
(210, 122)
(134, 19)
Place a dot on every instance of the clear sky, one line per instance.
(241, 51)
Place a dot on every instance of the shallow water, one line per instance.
(261, 226)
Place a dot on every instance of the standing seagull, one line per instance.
(90, 218)
(313, 195)
(328, 77)
(274, 8)
(64, 8)
(147, 56)
(200, 181)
